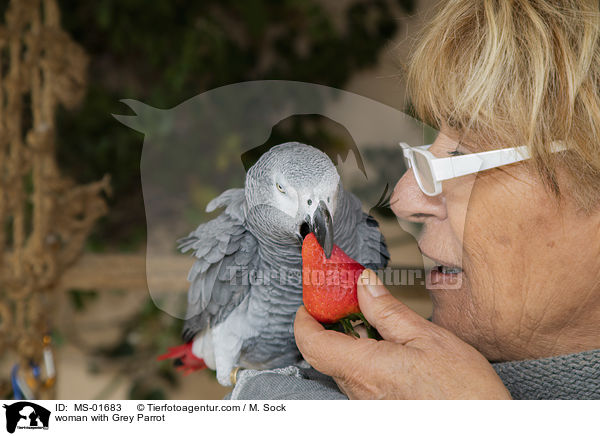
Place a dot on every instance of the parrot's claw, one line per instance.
(184, 359)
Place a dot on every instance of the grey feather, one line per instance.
(357, 233)
(217, 245)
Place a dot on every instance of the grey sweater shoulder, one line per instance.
(289, 383)
(573, 376)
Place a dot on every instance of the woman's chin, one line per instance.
(451, 308)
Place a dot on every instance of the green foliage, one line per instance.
(132, 356)
(165, 51)
(80, 298)
(141, 391)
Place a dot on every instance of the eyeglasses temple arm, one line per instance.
(456, 166)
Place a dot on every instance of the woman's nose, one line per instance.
(408, 202)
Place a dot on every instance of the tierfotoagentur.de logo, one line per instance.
(26, 415)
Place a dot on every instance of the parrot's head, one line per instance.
(291, 191)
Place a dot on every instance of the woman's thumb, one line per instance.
(393, 320)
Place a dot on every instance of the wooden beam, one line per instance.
(126, 271)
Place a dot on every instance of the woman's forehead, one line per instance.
(471, 140)
(452, 138)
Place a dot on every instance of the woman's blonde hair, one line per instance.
(514, 72)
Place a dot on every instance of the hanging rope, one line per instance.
(44, 217)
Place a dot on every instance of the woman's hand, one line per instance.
(416, 360)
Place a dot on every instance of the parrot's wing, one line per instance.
(226, 253)
(357, 233)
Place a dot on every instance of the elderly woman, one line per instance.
(523, 235)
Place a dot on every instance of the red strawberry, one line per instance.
(328, 285)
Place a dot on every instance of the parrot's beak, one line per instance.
(322, 227)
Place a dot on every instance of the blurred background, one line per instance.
(87, 328)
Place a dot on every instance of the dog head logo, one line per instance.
(192, 151)
(24, 414)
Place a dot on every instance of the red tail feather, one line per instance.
(186, 361)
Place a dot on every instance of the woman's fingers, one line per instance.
(359, 366)
(438, 365)
(393, 320)
(328, 351)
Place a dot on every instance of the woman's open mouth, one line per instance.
(443, 276)
(448, 269)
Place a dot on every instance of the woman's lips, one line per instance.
(441, 274)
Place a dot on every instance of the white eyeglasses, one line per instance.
(430, 171)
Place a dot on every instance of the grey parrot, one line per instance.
(246, 282)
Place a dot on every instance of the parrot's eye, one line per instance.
(279, 188)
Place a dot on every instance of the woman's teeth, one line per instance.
(448, 270)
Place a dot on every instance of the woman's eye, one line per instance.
(279, 188)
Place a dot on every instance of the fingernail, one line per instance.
(371, 282)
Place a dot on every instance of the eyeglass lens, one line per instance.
(423, 172)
